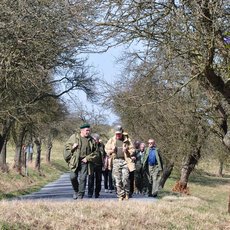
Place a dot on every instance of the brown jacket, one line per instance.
(127, 143)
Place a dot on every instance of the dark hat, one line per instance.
(85, 126)
(118, 129)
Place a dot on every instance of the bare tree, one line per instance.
(193, 31)
(39, 57)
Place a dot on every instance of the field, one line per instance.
(205, 208)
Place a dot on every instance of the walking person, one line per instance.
(95, 178)
(133, 170)
(138, 174)
(121, 149)
(79, 153)
(152, 166)
(107, 174)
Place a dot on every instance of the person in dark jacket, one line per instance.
(80, 149)
(95, 178)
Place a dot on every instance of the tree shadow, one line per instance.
(60, 167)
(208, 179)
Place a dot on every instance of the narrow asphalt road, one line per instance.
(61, 190)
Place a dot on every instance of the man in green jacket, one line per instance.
(81, 151)
(152, 167)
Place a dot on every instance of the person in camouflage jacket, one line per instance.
(121, 149)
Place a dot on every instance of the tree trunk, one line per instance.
(38, 157)
(23, 155)
(166, 173)
(221, 166)
(49, 146)
(18, 152)
(1, 142)
(224, 125)
(3, 165)
(226, 140)
(6, 125)
(187, 167)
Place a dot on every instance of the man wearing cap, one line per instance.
(120, 148)
(81, 148)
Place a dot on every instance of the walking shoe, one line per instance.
(106, 190)
(110, 191)
(120, 198)
(75, 195)
(97, 196)
(126, 196)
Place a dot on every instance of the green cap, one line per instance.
(85, 126)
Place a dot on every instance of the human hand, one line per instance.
(125, 149)
(133, 158)
(84, 160)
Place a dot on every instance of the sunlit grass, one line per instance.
(180, 213)
(205, 208)
(12, 184)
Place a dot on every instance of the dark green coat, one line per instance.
(75, 156)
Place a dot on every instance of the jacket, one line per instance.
(127, 143)
(158, 159)
(75, 156)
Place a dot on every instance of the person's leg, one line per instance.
(98, 175)
(125, 180)
(145, 174)
(106, 175)
(138, 181)
(156, 180)
(90, 185)
(111, 180)
(117, 173)
(131, 179)
(82, 179)
(150, 180)
(74, 182)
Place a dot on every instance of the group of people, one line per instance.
(127, 167)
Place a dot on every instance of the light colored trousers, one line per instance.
(121, 176)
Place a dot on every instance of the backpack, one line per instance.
(67, 154)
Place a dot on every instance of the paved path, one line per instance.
(61, 190)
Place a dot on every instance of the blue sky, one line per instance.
(105, 65)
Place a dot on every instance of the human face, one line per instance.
(85, 132)
(151, 143)
(142, 147)
(118, 136)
